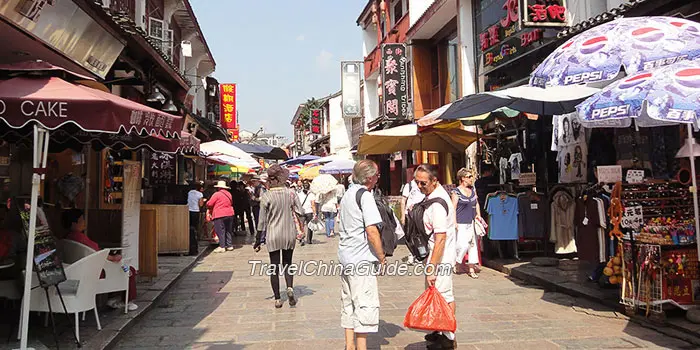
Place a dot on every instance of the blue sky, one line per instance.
(279, 52)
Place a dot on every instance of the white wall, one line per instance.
(416, 8)
(614, 3)
(369, 40)
(465, 26)
(340, 129)
(581, 10)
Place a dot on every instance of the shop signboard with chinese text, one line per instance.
(350, 82)
(502, 37)
(395, 81)
(315, 121)
(66, 28)
(680, 278)
(234, 133)
(228, 106)
(131, 211)
(544, 13)
(163, 168)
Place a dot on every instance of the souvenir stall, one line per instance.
(651, 221)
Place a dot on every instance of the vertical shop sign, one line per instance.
(350, 82)
(394, 67)
(131, 211)
(163, 168)
(228, 106)
(315, 121)
(544, 13)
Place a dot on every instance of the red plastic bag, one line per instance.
(430, 312)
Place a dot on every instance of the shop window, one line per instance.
(158, 30)
(398, 9)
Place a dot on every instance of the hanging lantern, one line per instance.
(382, 6)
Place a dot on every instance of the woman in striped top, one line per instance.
(277, 209)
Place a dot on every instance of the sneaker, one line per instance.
(432, 336)
(278, 303)
(229, 249)
(290, 295)
(219, 250)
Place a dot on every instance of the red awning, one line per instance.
(53, 102)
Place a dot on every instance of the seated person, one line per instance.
(74, 222)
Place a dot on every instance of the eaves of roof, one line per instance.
(604, 17)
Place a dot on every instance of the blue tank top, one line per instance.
(466, 207)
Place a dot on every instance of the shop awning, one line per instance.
(263, 151)
(27, 97)
(446, 137)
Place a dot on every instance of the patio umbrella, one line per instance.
(342, 166)
(326, 159)
(310, 172)
(323, 184)
(262, 151)
(665, 96)
(444, 137)
(300, 160)
(551, 101)
(476, 104)
(596, 56)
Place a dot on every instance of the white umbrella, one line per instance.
(326, 159)
(547, 101)
(218, 147)
(323, 184)
(343, 166)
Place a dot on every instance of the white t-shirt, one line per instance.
(514, 161)
(436, 219)
(503, 167)
(328, 201)
(412, 194)
(193, 198)
(305, 200)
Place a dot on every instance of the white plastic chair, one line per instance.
(78, 291)
(116, 279)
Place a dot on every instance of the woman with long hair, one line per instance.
(276, 223)
(466, 203)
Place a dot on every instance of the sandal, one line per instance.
(473, 274)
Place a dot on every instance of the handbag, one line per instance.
(480, 227)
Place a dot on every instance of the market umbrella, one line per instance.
(300, 160)
(551, 101)
(323, 184)
(326, 159)
(634, 44)
(664, 96)
(262, 151)
(342, 166)
(443, 137)
(502, 113)
(310, 172)
(476, 104)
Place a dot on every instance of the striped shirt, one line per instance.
(276, 217)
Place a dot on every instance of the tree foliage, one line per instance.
(310, 104)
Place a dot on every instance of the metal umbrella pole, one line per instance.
(41, 150)
(691, 145)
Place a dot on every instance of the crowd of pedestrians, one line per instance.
(281, 214)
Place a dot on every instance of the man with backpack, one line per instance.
(436, 216)
(360, 252)
(410, 195)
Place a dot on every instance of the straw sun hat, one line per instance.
(222, 184)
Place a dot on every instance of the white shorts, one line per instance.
(360, 303)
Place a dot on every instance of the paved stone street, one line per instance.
(219, 305)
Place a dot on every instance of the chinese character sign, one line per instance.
(544, 13)
(395, 81)
(162, 168)
(228, 106)
(350, 79)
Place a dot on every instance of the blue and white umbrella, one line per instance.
(636, 44)
(341, 166)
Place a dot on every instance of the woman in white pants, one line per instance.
(464, 199)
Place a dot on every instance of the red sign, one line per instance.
(315, 121)
(545, 13)
(228, 106)
(680, 281)
(234, 133)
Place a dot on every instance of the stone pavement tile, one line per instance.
(596, 343)
(520, 345)
(504, 317)
(257, 336)
(309, 344)
(476, 337)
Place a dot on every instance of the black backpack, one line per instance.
(387, 229)
(414, 228)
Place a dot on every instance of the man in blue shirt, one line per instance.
(359, 250)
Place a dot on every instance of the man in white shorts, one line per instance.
(440, 262)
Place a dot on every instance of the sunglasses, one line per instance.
(422, 183)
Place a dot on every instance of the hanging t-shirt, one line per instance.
(533, 216)
(503, 218)
(573, 163)
(555, 133)
(514, 161)
(503, 166)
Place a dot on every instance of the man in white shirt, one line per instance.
(307, 198)
(360, 250)
(410, 195)
(440, 262)
(195, 200)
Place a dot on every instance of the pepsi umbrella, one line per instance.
(596, 56)
(668, 95)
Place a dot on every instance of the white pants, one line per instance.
(360, 303)
(467, 243)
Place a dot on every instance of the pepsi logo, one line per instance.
(648, 34)
(685, 26)
(594, 44)
(636, 80)
(689, 77)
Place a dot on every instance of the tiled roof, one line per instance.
(600, 19)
